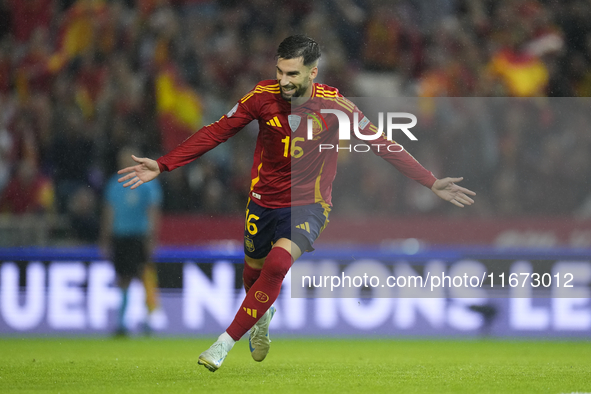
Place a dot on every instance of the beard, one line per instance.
(299, 91)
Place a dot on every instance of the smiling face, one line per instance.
(295, 78)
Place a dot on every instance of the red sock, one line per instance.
(249, 276)
(263, 292)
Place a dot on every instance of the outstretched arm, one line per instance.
(145, 171)
(447, 189)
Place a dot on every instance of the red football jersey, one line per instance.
(289, 168)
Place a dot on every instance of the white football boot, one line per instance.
(213, 357)
(259, 341)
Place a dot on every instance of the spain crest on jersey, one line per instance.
(294, 122)
(316, 125)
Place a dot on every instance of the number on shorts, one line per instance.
(251, 227)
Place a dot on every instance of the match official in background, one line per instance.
(129, 229)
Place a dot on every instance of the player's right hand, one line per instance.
(145, 171)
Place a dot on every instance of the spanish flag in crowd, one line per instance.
(81, 27)
(178, 106)
(524, 75)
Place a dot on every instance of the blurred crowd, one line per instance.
(81, 79)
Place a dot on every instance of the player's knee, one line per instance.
(277, 264)
(254, 263)
(276, 270)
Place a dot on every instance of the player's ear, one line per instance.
(313, 72)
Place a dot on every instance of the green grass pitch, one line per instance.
(65, 365)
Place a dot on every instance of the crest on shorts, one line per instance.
(248, 244)
(294, 122)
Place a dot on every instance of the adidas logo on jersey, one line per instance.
(274, 122)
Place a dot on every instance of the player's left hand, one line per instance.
(447, 189)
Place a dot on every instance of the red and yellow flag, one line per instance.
(179, 108)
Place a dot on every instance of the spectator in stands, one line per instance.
(28, 191)
(70, 152)
(84, 218)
